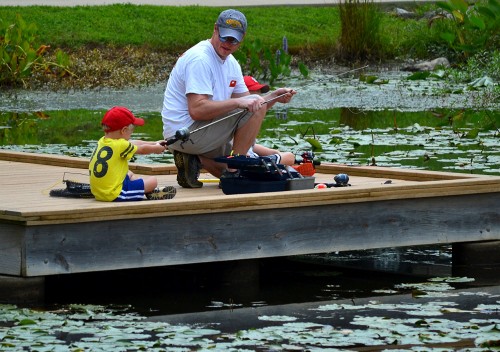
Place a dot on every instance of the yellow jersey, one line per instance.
(109, 166)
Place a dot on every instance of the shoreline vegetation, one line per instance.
(123, 45)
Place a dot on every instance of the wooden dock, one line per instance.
(42, 235)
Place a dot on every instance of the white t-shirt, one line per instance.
(201, 71)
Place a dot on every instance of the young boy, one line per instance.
(285, 158)
(110, 178)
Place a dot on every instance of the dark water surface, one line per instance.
(405, 296)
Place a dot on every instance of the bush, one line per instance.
(360, 37)
(263, 62)
(19, 57)
(469, 28)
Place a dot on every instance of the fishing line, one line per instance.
(183, 134)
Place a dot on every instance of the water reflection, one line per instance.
(449, 140)
(251, 283)
(455, 140)
(401, 124)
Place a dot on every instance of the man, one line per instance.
(206, 85)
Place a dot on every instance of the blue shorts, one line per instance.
(131, 190)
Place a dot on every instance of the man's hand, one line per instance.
(252, 104)
(284, 95)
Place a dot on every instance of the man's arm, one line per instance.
(202, 108)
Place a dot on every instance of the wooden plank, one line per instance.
(167, 240)
(270, 200)
(157, 169)
(45, 235)
(50, 209)
(11, 245)
(79, 163)
(392, 173)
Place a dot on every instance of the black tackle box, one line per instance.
(261, 174)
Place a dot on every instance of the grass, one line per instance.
(310, 30)
(138, 44)
(170, 28)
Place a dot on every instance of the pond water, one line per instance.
(426, 124)
(294, 304)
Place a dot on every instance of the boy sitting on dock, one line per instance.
(110, 177)
(285, 158)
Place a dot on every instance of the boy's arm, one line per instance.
(149, 147)
(139, 142)
(264, 151)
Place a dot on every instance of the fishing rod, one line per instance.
(184, 133)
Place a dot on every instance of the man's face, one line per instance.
(224, 46)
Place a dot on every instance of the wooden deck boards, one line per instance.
(44, 235)
(25, 187)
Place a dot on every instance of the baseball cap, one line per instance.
(253, 84)
(118, 117)
(232, 23)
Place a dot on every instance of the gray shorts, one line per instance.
(215, 139)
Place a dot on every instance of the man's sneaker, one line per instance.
(167, 192)
(188, 170)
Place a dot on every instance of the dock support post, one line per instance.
(478, 260)
(18, 290)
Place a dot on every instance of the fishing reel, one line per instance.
(341, 180)
(182, 134)
(306, 158)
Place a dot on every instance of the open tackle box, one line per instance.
(261, 174)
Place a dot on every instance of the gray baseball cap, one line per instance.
(232, 23)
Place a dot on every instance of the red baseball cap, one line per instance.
(253, 84)
(118, 117)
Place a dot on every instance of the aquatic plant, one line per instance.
(431, 315)
(261, 62)
(360, 37)
(469, 26)
(480, 64)
(21, 57)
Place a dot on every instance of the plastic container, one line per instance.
(240, 185)
(296, 184)
(305, 169)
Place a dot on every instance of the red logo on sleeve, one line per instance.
(232, 84)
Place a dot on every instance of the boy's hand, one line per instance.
(161, 147)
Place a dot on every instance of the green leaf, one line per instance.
(487, 12)
(477, 22)
(472, 134)
(304, 71)
(445, 6)
(315, 144)
(448, 37)
(419, 75)
(460, 5)
(368, 79)
(336, 140)
(24, 322)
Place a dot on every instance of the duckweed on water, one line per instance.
(449, 140)
(412, 323)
